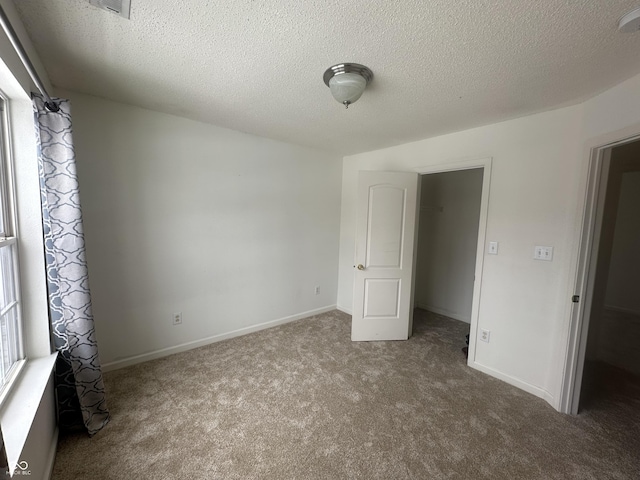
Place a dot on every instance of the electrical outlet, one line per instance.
(177, 318)
(485, 335)
(317, 290)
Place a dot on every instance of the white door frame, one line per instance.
(485, 164)
(585, 273)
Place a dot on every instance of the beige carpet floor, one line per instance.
(301, 401)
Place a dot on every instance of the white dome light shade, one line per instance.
(347, 87)
(347, 81)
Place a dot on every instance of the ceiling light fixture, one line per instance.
(630, 22)
(347, 81)
(119, 7)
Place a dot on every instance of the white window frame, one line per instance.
(8, 212)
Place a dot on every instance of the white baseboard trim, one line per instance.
(527, 387)
(165, 352)
(445, 312)
(344, 310)
(51, 458)
(621, 309)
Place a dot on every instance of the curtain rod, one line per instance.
(26, 61)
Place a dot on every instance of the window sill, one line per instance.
(14, 375)
(21, 405)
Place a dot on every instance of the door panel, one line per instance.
(385, 240)
(386, 213)
(381, 297)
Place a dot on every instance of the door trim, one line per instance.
(485, 163)
(598, 170)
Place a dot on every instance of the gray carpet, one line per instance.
(301, 401)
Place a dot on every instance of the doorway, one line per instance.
(449, 216)
(387, 224)
(607, 369)
(481, 169)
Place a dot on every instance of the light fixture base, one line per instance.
(347, 68)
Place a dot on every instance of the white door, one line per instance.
(385, 238)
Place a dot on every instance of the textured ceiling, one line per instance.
(256, 65)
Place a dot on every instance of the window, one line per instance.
(11, 341)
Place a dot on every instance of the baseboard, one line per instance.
(442, 311)
(51, 458)
(527, 387)
(165, 352)
(619, 362)
(423, 306)
(629, 311)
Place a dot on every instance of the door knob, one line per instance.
(360, 266)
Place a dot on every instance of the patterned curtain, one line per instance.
(79, 386)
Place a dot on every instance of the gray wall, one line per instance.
(623, 286)
(232, 230)
(617, 322)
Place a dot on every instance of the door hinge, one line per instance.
(575, 298)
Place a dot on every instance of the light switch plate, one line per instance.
(543, 253)
(493, 248)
